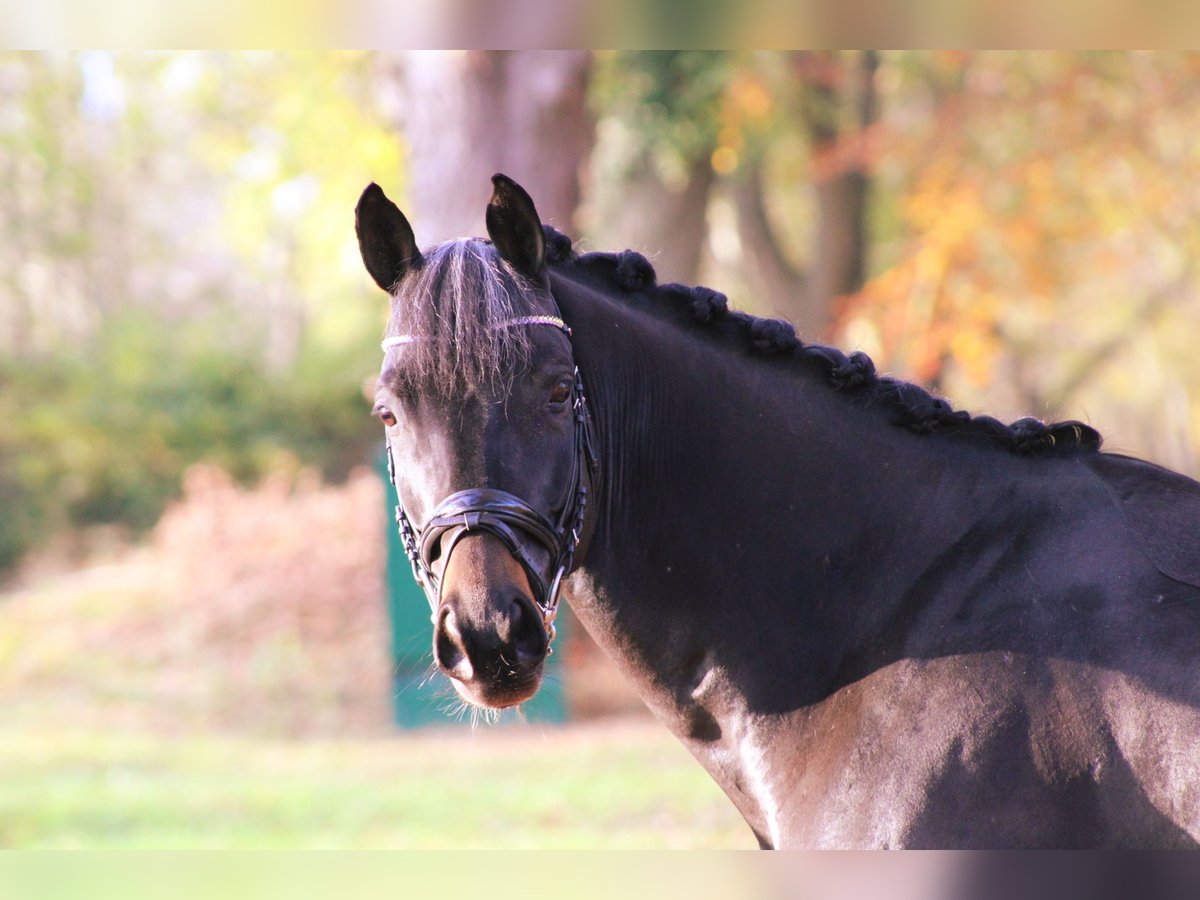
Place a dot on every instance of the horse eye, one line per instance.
(386, 415)
(561, 393)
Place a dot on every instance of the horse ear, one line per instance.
(515, 228)
(385, 238)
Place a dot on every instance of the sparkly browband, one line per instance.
(402, 339)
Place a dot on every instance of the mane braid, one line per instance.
(454, 309)
(910, 405)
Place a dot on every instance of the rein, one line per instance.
(504, 515)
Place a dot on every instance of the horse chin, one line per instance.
(498, 694)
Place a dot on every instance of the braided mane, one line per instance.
(910, 405)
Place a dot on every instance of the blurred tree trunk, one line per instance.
(838, 105)
(839, 256)
(657, 168)
(466, 115)
(667, 222)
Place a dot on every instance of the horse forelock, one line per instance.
(910, 405)
(454, 306)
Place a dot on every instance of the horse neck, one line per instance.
(741, 504)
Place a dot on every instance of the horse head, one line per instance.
(486, 430)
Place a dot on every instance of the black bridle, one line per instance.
(504, 515)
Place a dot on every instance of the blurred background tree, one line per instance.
(466, 115)
(179, 278)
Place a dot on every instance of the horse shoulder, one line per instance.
(901, 757)
(989, 750)
(1161, 508)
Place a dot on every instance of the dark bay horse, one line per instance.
(875, 620)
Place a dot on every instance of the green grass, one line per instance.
(585, 786)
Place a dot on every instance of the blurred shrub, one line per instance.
(250, 609)
(103, 435)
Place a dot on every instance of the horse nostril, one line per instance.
(528, 635)
(448, 647)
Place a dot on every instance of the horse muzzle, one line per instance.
(489, 637)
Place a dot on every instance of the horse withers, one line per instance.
(877, 621)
